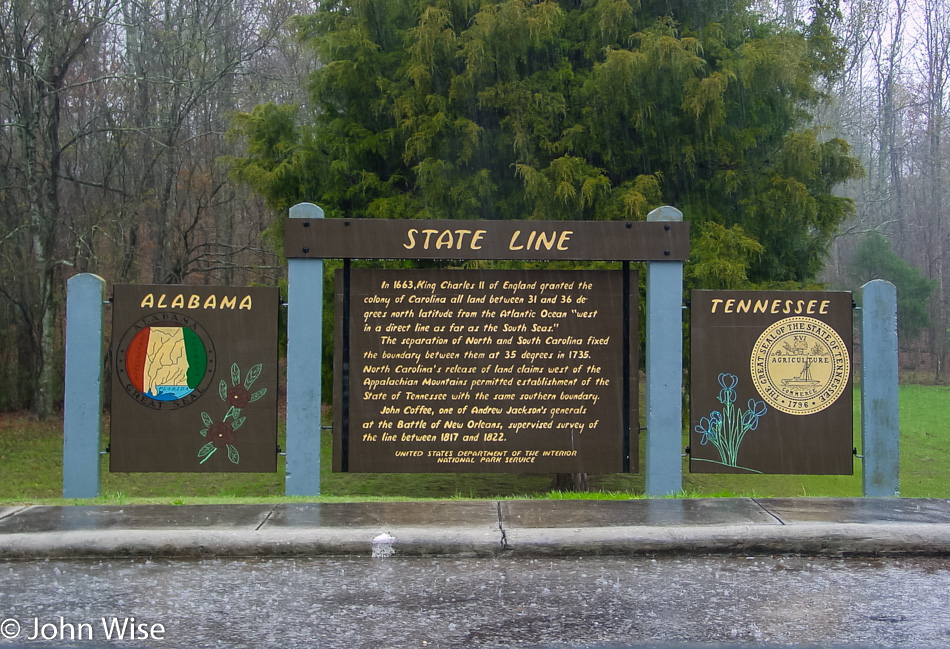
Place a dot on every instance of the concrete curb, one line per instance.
(280, 543)
(805, 539)
(818, 539)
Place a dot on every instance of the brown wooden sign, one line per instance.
(195, 379)
(770, 382)
(446, 239)
(486, 371)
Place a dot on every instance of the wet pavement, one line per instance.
(668, 601)
(637, 573)
(519, 528)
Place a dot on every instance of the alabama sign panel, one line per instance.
(194, 381)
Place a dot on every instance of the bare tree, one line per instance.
(40, 41)
(931, 165)
(113, 115)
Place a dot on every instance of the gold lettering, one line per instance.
(161, 302)
(715, 304)
(546, 240)
(444, 240)
(540, 240)
(245, 303)
(228, 302)
(211, 302)
(476, 238)
(178, 302)
(194, 301)
(461, 235)
(412, 239)
(428, 233)
(148, 301)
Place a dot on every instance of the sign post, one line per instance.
(304, 362)
(664, 366)
(82, 406)
(880, 430)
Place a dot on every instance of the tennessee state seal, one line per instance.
(800, 365)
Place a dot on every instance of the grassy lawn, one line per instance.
(31, 471)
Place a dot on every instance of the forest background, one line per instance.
(161, 142)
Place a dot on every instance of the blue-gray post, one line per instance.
(879, 415)
(304, 363)
(82, 405)
(664, 365)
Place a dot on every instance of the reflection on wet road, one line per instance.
(504, 602)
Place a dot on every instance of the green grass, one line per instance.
(925, 463)
(31, 472)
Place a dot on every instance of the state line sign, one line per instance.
(486, 370)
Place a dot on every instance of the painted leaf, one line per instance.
(252, 375)
(206, 450)
(223, 390)
(206, 418)
(257, 395)
(233, 454)
(235, 374)
(238, 423)
(232, 412)
(203, 432)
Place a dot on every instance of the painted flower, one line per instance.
(221, 434)
(758, 407)
(709, 428)
(750, 418)
(238, 396)
(728, 383)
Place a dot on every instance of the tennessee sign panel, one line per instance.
(770, 382)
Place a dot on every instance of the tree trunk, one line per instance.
(576, 482)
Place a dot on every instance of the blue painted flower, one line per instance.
(750, 418)
(758, 407)
(709, 429)
(728, 381)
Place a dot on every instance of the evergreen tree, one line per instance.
(874, 259)
(593, 109)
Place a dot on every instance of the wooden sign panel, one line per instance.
(195, 379)
(486, 371)
(770, 382)
(451, 239)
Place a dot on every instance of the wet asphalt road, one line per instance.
(505, 602)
